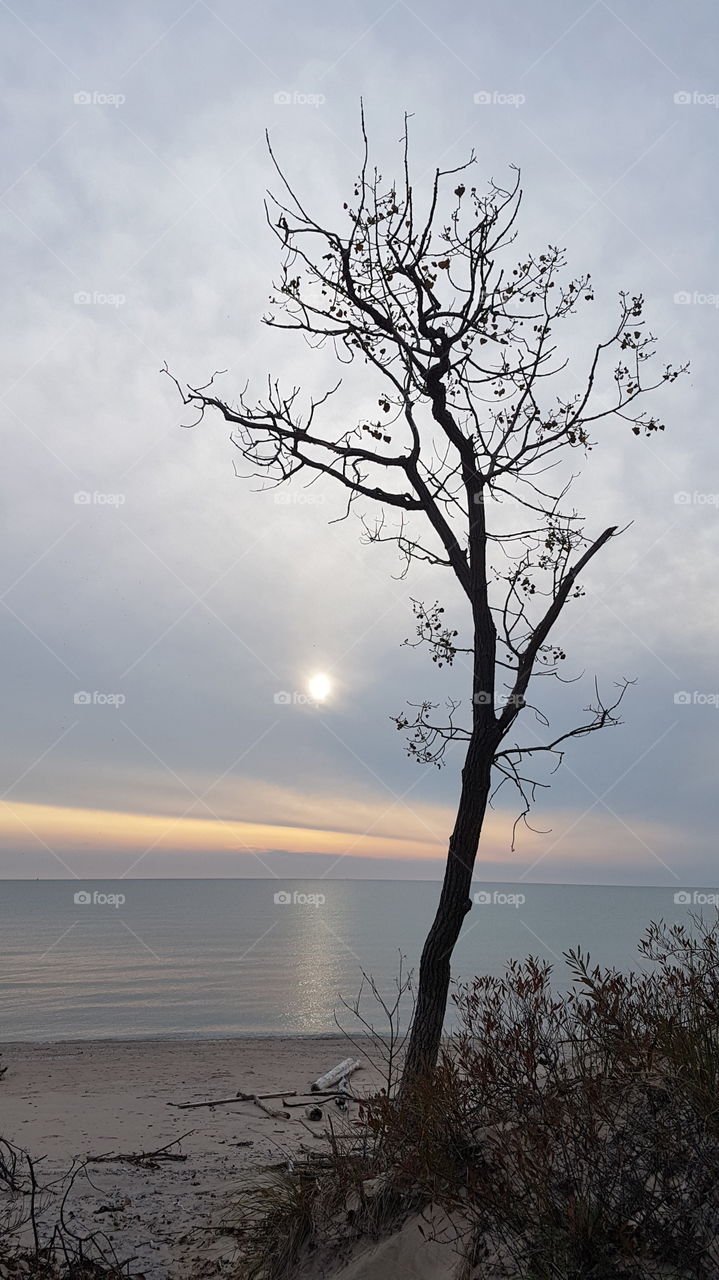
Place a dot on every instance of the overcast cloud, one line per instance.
(133, 173)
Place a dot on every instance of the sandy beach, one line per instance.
(67, 1101)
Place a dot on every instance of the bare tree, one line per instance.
(457, 328)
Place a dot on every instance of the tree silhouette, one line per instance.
(475, 410)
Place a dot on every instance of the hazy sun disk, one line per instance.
(320, 687)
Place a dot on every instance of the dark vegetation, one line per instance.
(562, 1137)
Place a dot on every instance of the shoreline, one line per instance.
(190, 1038)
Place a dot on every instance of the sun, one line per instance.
(319, 687)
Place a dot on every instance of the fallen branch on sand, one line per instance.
(237, 1097)
(313, 1097)
(269, 1111)
(144, 1159)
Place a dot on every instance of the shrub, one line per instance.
(577, 1135)
(563, 1135)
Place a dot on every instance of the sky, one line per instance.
(155, 605)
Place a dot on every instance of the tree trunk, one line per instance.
(454, 903)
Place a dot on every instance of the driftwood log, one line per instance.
(336, 1075)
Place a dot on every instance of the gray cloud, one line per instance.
(136, 235)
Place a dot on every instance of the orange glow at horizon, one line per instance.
(113, 830)
(380, 832)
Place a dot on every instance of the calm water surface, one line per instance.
(181, 958)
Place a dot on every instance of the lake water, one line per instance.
(185, 958)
